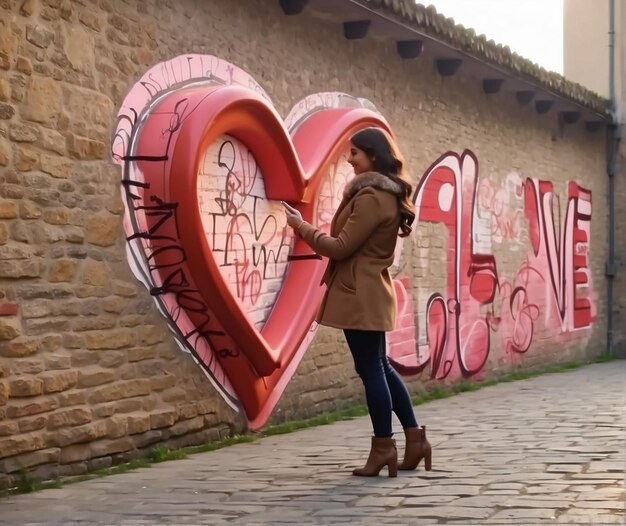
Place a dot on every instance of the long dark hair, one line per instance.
(387, 160)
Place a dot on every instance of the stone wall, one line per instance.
(89, 373)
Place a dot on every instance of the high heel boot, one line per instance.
(383, 453)
(417, 448)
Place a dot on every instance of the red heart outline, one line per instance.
(188, 121)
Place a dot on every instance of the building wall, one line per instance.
(586, 60)
(89, 372)
(586, 41)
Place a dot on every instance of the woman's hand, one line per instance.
(294, 217)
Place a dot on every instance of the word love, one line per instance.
(553, 277)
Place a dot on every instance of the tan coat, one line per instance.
(360, 249)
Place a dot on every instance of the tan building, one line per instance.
(594, 53)
(136, 290)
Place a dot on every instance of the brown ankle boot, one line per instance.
(417, 448)
(383, 453)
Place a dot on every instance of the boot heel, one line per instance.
(428, 462)
(392, 468)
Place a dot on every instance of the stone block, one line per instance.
(17, 444)
(117, 426)
(57, 166)
(70, 398)
(147, 439)
(103, 229)
(163, 418)
(8, 309)
(111, 359)
(19, 269)
(6, 154)
(109, 339)
(174, 394)
(132, 320)
(187, 411)
(75, 453)
(79, 49)
(10, 328)
(22, 409)
(20, 347)
(24, 65)
(86, 433)
(108, 447)
(96, 273)
(29, 210)
(32, 424)
(27, 159)
(25, 386)
(26, 366)
(56, 381)
(93, 376)
(138, 422)
(124, 289)
(52, 140)
(34, 327)
(30, 460)
(8, 209)
(74, 416)
(5, 90)
(82, 358)
(55, 362)
(90, 18)
(20, 132)
(150, 335)
(114, 304)
(62, 270)
(10, 428)
(119, 390)
(57, 216)
(39, 35)
(137, 354)
(28, 7)
(4, 392)
(85, 149)
(6, 111)
(44, 99)
(91, 109)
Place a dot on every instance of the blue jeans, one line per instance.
(384, 389)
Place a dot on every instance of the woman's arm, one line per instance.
(363, 220)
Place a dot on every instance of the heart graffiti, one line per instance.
(206, 159)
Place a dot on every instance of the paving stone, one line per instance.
(524, 513)
(513, 453)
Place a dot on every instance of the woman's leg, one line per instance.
(401, 400)
(365, 347)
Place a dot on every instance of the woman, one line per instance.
(360, 297)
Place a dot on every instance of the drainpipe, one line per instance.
(613, 141)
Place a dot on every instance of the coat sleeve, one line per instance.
(366, 215)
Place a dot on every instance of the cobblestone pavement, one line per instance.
(548, 450)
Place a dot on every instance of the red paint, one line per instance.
(253, 361)
(8, 309)
(553, 276)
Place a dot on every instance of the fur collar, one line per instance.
(374, 179)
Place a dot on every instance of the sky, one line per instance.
(531, 28)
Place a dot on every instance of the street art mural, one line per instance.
(206, 160)
(551, 287)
